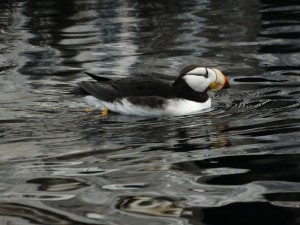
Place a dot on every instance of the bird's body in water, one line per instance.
(154, 97)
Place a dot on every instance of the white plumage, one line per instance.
(174, 107)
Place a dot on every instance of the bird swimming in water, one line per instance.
(155, 97)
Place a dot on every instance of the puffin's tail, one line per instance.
(97, 77)
(102, 91)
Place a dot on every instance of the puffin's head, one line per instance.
(201, 78)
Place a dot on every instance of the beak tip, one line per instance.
(226, 84)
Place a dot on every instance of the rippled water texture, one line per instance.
(237, 163)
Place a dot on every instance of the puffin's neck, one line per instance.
(182, 90)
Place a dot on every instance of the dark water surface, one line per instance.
(238, 163)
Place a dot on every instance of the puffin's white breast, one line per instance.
(174, 107)
(182, 106)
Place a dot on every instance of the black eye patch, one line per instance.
(206, 75)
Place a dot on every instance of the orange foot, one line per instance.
(104, 112)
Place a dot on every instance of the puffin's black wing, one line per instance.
(109, 90)
(143, 87)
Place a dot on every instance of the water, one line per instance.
(237, 163)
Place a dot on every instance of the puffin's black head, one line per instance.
(201, 79)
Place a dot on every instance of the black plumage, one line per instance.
(140, 91)
(155, 90)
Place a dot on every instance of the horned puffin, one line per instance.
(155, 97)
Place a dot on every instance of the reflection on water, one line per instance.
(237, 163)
(159, 206)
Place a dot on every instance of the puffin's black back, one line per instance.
(110, 90)
(142, 87)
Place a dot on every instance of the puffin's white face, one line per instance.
(202, 78)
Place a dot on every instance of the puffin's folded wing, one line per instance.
(142, 87)
(103, 91)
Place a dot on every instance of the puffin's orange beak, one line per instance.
(221, 81)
